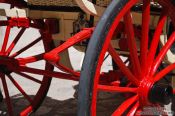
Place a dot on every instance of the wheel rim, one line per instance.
(144, 77)
(12, 55)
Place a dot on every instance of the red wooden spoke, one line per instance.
(125, 105)
(156, 39)
(82, 35)
(12, 45)
(53, 55)
(48, 73)
(132, 43)
(173, 91)
(67, 70)
(26, 47)
(164, 72)
(26, 111)
(28, 77)
(116, 89)
(145, 32)
(122, 66)
(30, 59)
(4, 45)
(133, 109)
(7, 97)
(20, 89)
(162, 53)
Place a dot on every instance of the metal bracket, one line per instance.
(20, 22)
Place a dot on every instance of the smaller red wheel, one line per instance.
(21, 60)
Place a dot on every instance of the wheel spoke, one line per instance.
(29, 77)
(122, 66)
(155, 41)
(48, 73)
(162, 53)
(132, 43)
(145, 33)
(117, 89)
(7, 33)
(81, 36)
(26, 47)
(26, 111)
(164, 72)
(12, 45)
(20, 89)
(7, 96)
(67, 70)
(124, 106)
(133, 110)
(30, 59)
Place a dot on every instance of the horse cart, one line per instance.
(128, 46)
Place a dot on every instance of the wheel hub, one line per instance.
(161, 93)
(4, 69)
(155, 93)
(5, 62)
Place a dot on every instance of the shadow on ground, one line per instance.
(52, 107)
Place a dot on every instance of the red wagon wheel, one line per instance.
(22, 51)
(13, 57)
(145, 88)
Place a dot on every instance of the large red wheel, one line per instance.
(21, 55)
(145, 88)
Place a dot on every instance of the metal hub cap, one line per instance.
(161, 93)
(155, 93)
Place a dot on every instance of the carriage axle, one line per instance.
(161, 93)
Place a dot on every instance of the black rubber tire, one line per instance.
(91, 58)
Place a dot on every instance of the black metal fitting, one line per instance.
(161, 93)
